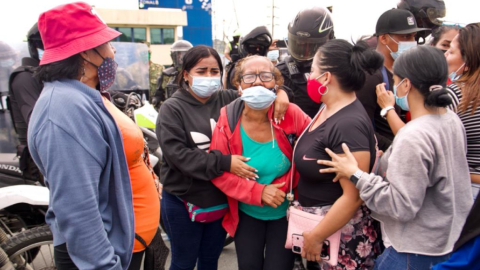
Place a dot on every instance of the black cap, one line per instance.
(397, 21)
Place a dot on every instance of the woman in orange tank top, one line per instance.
(146, 203)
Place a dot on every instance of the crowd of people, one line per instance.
(377, 140)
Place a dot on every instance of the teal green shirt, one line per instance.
(271, 163)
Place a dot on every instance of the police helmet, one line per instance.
(427, 13)
(256, 42)
(34, 42)
(309, 30)
(178, 50)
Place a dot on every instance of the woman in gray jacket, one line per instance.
(422, 192)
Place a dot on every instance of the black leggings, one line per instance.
(260, 244)
(64, 262)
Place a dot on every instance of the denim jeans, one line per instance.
(191, 242)
(393, 260)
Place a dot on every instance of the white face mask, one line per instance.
(204, 87)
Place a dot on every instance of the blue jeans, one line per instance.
(191, 242)
(393, 260)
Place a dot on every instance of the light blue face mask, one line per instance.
(454, 76)
(7, 63)
(273, 55)
(402, 102)
(258, 97)
(204, 87)
(402, 46)
(40, 53)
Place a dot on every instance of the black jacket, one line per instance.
(184, 130)
(23, 93)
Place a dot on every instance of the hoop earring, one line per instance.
(325, 92)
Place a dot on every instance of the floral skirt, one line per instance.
(360, 243)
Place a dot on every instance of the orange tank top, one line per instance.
(146, 204)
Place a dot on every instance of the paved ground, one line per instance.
(228, 259)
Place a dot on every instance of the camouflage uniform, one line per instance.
(154, 73)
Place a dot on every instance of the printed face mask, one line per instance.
(454, 76)
(402, 102)
(315, 89)
(204, 87)
(402, 47)
(106, 72)
(258, 97)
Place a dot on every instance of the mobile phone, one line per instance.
(297, 243)
(325, 253)
(297, 246)
(281, 44)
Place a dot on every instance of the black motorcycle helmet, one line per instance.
(310, 29)
(178, 50)
(34, 42)
(427, 13)
(256, 42)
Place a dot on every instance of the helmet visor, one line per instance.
(177, 58)
(303, 48)
(435, 14)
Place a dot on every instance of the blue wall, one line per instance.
(199, 18)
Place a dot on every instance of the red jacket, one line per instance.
(227, 138)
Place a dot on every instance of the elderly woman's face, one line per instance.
(257, 72)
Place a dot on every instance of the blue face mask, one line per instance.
(258, 97)
(204, 87)
(402, 46)
(273, 55)
(454, 76)
(402, 102)
(40, 53)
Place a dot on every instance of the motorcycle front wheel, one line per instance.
(31, 249)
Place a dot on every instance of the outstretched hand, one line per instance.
(344, 166)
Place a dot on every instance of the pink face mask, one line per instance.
(315, 89)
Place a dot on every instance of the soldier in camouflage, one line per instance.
(155, 71)
(166, 83)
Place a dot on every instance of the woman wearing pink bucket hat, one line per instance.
(103, 195)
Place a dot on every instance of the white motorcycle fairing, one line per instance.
(33, 195)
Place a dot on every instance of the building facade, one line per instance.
(158, 26)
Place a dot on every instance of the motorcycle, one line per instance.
(24, 247)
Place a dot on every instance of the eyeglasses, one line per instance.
(264, 77)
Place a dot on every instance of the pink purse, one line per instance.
(300, 221)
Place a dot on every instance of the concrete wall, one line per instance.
(153, 17)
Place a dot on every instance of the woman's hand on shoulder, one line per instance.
(281, 105)
(240, 168)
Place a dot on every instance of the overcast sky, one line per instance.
(352, 18)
